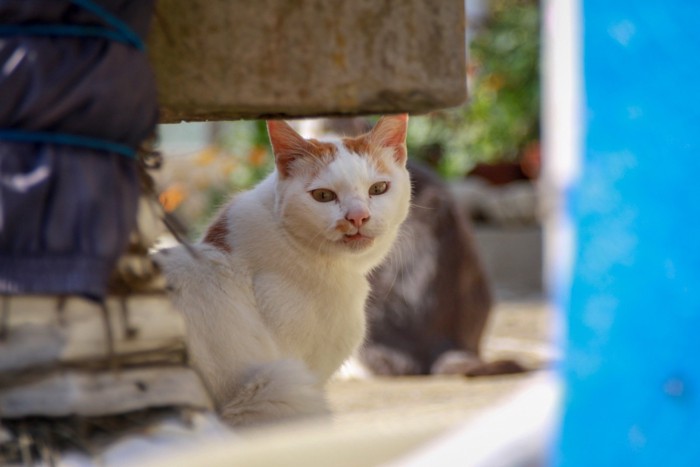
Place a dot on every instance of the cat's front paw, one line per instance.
(273, 392)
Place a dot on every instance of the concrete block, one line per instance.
(231, 59)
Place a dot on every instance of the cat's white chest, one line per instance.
(320, 320)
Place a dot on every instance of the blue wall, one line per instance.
(633, 353)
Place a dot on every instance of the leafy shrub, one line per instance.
(502, 115)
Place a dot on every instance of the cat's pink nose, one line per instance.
(357, 217)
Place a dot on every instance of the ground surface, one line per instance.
(518, 330)
(381, 420)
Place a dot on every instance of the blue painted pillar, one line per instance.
(629, 283)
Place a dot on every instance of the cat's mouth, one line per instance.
(357, 240)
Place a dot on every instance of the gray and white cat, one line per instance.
(431, 299)
(274, 298)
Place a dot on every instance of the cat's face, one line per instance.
(346, 195)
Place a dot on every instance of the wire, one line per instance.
(69, 139)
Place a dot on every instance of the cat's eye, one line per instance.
(378, 188)
(323, 195)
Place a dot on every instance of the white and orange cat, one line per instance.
(274, 299)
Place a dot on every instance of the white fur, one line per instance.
(270, 322)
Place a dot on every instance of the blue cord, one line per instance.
(117, 31)
(65, 30)
(111, 20)
(23, 136)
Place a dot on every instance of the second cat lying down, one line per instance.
(274, 297)
(430, 299)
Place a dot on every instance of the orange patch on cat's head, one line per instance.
(362, 146)
(320, 154)
(322, 148)
(388, 134)
(358, 145)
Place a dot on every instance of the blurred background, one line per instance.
(487, 150)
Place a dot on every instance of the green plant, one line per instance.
(502, 114)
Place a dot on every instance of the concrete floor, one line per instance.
(377, 421)
(518, 330)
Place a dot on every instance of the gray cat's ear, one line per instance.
(390, 132)
(287, 145)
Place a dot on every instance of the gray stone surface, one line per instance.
(512, 257)
(230, 59)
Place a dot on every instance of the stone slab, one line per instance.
(105, 393)
(39, 334)
(232, 59)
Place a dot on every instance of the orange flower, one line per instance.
(172, 196)
(207, 156)
(495, 82)
(229, 166)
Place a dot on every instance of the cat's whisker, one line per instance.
(404, 237)
(319, 244)
(413, 205)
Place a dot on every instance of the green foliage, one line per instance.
(247, 143)
(230, 156)
(502, 114)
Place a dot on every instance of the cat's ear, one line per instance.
(390, 132)
(287, 145)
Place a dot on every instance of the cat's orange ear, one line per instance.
(390, 132)
(287, 144)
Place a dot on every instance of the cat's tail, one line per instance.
(271, 392)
